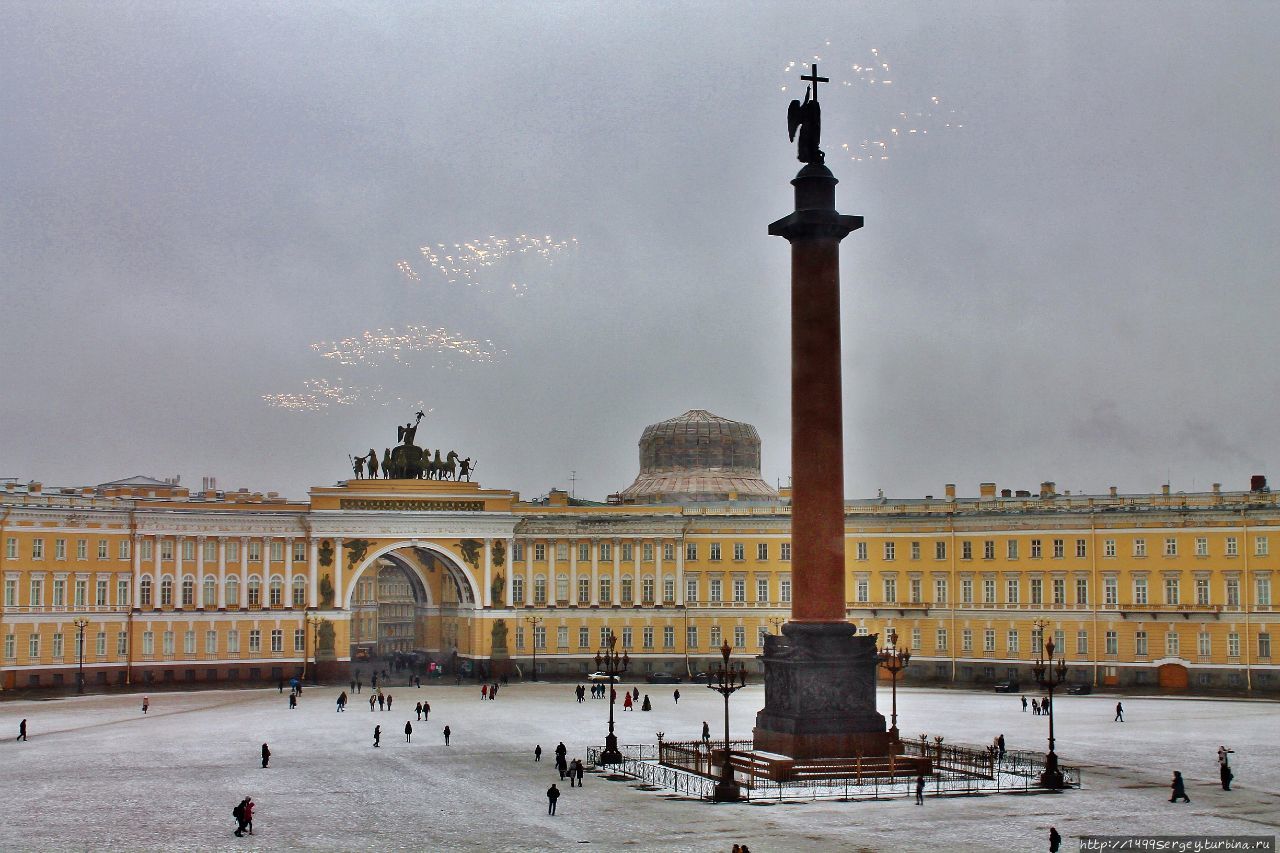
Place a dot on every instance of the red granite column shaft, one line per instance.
(817, 438)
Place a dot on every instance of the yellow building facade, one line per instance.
(142, 582)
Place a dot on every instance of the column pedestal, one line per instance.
(820, 693)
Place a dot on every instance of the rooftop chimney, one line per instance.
(1217, 488)
(1047, 489)
(1257, 483)
(987, 490)
(1006, 493)
(951, 491)
(1113, 491)
(1164, 490)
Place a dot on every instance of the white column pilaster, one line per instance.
(511, 572)
(244, 572)
(288, 572)
(487, 595)
(680, 573)
(659, 581)
(552, 593)
(595, 572)
(222, 573)
(200, 572)
(528, 572)
(313, 572)
(616, 597)
(339, 566)
(137, 572)
(573, 573)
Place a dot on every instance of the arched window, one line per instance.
(255, 591)
(540, 589)
(166, 591)
(646, 589)
(562, 587)
(189, 591)
(210, 591)
(299, 591)
(517, 590)
(233, 591)
(627, 591)
(277, 592)
(144, 591)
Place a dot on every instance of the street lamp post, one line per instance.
(726, 681)
(314, 622)
(1049, 675)
(894, 660)
(611, 664)
(777, 622)
(534, 621)
(80, 624)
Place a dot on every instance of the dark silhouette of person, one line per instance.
(1024, 704)
(266, 755)
(447, 732)
(388, 701)
(1119, 713)
(537, 752)
(1225, 775)
(677, 695)
(426, 711)
(377, 736)
(920, 789)
(408, 732)
(238, 814)
(706, 731)
(1000, 746)
(1055, 840)
(1179, 788)
(22, 730)
(553, 794)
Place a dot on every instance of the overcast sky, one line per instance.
(1077, 285)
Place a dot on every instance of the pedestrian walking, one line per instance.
(1225, 776)
(1055, 840)
(677, 695)
(626, 703)
(920, 789)
(553, 794)
(446, 735)
(706, 731)
(342, 701)
(484, 692)
(238, 814)
(377, 737)
(389, 698)
(417, 681)
(293, 701)
(266, 755)
(562, 766)
(561, 752)
(353, 685)
(282, 684)
(1024, 704)
(426, 711)
(408, 732)
(373, 700)
(578, 770)
(646, 706)
(417, 709)
(1000, 745)
(382, 702)
(1119, 713)
(146, 703)
(359, 685)
(635, 694)
(249, 806)
(22, 730)
(1179, 788)
(537, 752)
(1223, 752)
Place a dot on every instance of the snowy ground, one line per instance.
(98, 775)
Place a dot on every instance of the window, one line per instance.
(233, 591)
(668, 637)
(584, 552)
(255, 641)
(11, 592)
(1011, 590)
(584, 637)
(1170, 546)
(1140, 547)
(211, 641)
(82, 592)
(1263, 584)
(166, 549)
(940, 550)
(584, 590)
(520, 638)
(668, 551)
(762, 550)
(145, 592)
(82, 549)
(254, 589)
(1082, 643)
(626, 637)
(785, 549)
(102, 549)
(940, 638)
(1233, 592)
(1011, 549)
(1011, 641)
(100, 644)
(966, 640)
(646, 637)
(275, 592)
(940, 591)
(860, 549)
(299, 639)
(1202, 546)
(59, 592)
(646, 590)
(988, 590)
(715, 638)
(124, 549)
(715, 551)
(1264, 645)
(37, 549)
(647, 550)
(11, 548)
(1171, 644)
(989, 640)
(1139, 644)
(917, 591)
(299, 552)
(540, 552)
(517, 589)
(966, 590)
(739, 637)
(1082, 590)
(562, 550)
(148, 642)
(1204, 645)
(627, 594)
(1233, 645)
(862, 593)
(232, 549)
(1233, 548)
(1059, 590)
(784, 590)
(691, 636)
(1170, 590)
(188, 549)
(890, 590)
(1059, 548)
(188, 642)
(690, 590)
(739, 551)
(966, 550)
(60, 549)
(691, 551)
(989, 549)
(1112, 640)
(1260, 546)
(606, 589)
(915, 550)
(1082, 549)
(606, 552)
(762, 590)
(188, 591)
(210, 551)
(10, 646)
(1202, 591)
(255, 556)
(122, 592)
(540, 590)
(889, 548)
(562, 587)
(1139, 590)
(58, 648)
(739, 590)
(1035, 549)
(122, 643)
(101, 592)
(716, 584)
(1108, 547)
(517, 552)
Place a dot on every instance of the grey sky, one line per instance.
(1078, 285)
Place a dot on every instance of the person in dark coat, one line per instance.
(1055, 840)
(382, 702)
(249, 806)
(706, 731)
(553, 794)
(293, 701)
(1000, 746)
(22, 730)
(561, 751)
(282, 684)
(677, 695)
(562, 766)
(1179, 788)
(919, 789)
(537, 752)
(417, 709)
(388, 701)
(426, 711)
(372, 701)
(377, 736)
(1119, 713)
(646, 706)
(446, 735)
(266, 755)
(578, 770)
(238, 814)
(408, 732)
(1225, 774)
(1024, 707)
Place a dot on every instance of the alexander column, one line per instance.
(820, 677)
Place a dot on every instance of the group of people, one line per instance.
(382, 700)
(489, 691)
(571, 770)
(1039, 707)
(408, 735)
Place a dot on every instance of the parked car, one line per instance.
(662, 678)
(1082, 689)
(701, 678)
(598, 676)
(1008, 687)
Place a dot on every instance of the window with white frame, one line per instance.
(82, 592)
(940, 639)
(691, 636)
(166, 549)
(37, 549)
(300, 552)
(60, 549)
(966, 590)
(584, 637)
(539, 589)
(1260, 547)
(1264, 645)
(988, 590)
(940, 550)
(890, 590)
(1036, 550)
(1112, 643)
(1082, 643)
(1233, 592)
(739, 590)
(917, 591)
(762, 590)
(690, 551)
(540, 552)
(1171, 644)
(939, 590)
(715, 638)
(1011, 641)
(646, 589)
(1011, 590)
(739, 637)
(122, 592)
(1233, 546)
(1171, 591)
(1204, 644)
(148, 643)
(1202, 591)
(626, 637)
(915, 550)
(277, 640)
(58, 647)
(989, 640)
(715, 551)
(211, 641)
(860, 550)
(82, 549)
(716, 587)
(988, 549)
(889, 548)
(1011, 549)
(102, 590)
(648, 552)
(1233, 645)
(646, 637)
(1059, 590)
(862, 590)
(690, 590)
(668, 637)
(255, 641)
(626, 593)
(1139, 590)
(966, 550)
(1202, 546)
(11, 548)
(1263, 586)
(762, 550)
(784, 590)
(966, 640)
(299, 639)
(100, 644)
(606, 589)
(1171, 546)
(784, 551)
(584, 590)
(739, 551)
(1140, 547)
(1082, 590)
(1059, 548)
(189, 642)
(1082, 549)
(122, 643)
